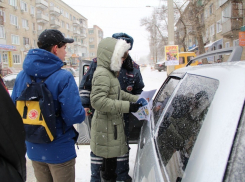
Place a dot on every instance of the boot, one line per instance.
(105, 180)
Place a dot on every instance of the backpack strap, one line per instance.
(57, 114)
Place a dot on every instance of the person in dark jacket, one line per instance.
(12, 141)
(54, 161)
(131, 81)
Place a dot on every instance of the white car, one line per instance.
(9, 81)
(197, 128)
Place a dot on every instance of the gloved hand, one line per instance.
(134, 107)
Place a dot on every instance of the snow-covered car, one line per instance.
(160, 66)
(9, 81)
(196, 129)
(70, 69)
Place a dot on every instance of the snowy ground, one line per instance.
(153, 80)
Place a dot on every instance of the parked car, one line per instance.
(9, 81)
(72, 70)
(197, 126)
(184, 58)
(160, 66)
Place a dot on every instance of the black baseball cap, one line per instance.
(51, 37)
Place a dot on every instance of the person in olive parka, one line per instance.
(108, 139)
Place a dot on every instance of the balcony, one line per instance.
(41, 4)
(83, 35)
(76, 23)
(41, 18)
(76, 32)
(84, 45)
(54, 24)
(39, 32)
(230, 27)
(54, 11)
(83, 25)
(77, 43)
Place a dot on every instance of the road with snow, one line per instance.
(153, 80)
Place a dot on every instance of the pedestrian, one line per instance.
(110, 102)
(54, 161)
(131, 81)
(12, 141)
(219, 60)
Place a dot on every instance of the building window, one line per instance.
(226, 13)
(211, 9)
(227, 44)
(212, 30)
(33, 26)
(34, 43)
(13, 2)
(67, 15)
(70, 17)
(51, 4)
(39, 27)
(91, 31)
(32, 10)
(92, 54)
(67, 26)
(206, 13)
(91, 39)
(23, 6)
(2, 32)
(2, 17)
(25, 41)
(16, 59)
(218, 26)
(236, 42)
(24, 23)
(63, 24)
(91, 46)
(13, 19)
(5, 58)
(15, 39)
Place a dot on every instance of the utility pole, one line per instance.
(170, 30)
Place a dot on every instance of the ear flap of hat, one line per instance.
(116, 61)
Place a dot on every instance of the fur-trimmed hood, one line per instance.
(110, 51)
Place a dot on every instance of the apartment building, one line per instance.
(220, 21)
(95, 35)
(22, 21)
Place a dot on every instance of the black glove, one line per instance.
(134, 107)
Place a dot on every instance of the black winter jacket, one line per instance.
(12, 141)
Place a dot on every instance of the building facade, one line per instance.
(95, 35)
(22, 21)
(220, 22)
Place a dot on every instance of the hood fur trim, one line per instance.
(120, 48)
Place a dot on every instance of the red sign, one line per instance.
(241, 38)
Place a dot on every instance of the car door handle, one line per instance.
(142, 143)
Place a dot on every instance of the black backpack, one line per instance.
(37, 110)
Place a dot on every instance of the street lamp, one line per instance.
(170, 30)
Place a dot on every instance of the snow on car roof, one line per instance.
(9, 77)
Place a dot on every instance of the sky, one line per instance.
(114, 16)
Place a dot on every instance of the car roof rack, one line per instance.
(236, 53)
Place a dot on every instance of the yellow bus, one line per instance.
(184, 58)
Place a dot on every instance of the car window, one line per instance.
(182, 121)
(236, 162)
(162, 97)
(181, 60)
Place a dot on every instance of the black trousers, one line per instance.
(109, 166)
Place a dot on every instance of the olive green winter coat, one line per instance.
(109, 101)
